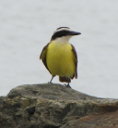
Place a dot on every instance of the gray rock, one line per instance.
(48, 91)
(56, 106)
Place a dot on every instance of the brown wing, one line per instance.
(43, 56)
(75, 60)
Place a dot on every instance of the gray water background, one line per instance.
(27, 25)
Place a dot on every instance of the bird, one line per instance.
(59, 55)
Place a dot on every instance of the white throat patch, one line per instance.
(64, 39)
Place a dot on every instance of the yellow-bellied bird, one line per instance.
(59, 56)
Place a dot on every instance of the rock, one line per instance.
(48, 91)
(56, 106)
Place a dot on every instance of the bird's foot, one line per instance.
(50, 83)
(68, 86)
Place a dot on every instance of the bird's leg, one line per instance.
(51, 79)
(68, 85)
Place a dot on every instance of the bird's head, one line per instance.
(63, 34)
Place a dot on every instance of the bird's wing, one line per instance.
(75, 60)
(43, 56)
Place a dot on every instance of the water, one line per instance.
(27, 25)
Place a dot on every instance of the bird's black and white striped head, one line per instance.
(64, 32)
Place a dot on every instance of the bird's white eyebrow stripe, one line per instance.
(62, 29)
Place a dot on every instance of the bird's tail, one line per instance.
(64, 79)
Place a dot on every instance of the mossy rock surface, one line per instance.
(56, 106)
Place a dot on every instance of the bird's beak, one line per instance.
(73, 33)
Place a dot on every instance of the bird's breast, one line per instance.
(60, 59)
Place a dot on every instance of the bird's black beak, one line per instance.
(74, 33)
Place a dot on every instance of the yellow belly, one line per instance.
(60, 59)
